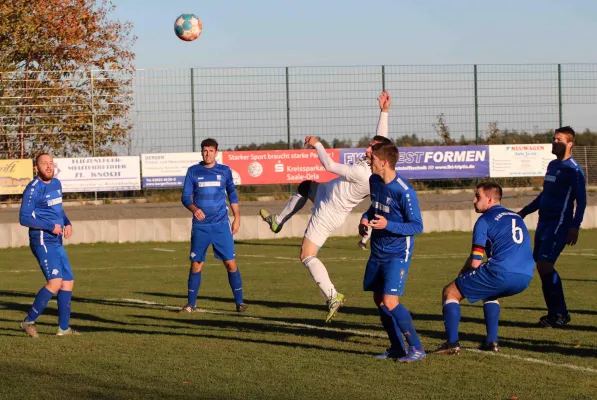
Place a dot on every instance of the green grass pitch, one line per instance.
(135, 346)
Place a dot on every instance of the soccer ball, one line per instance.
(188, 27)
(255, 169)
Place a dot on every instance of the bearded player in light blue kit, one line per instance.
(395, 218)
(559, 224)
(42, 212)
(204, 194)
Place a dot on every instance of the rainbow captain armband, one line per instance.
(477, 252)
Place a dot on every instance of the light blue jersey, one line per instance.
(398, 203)
(564, 185)
(41, 209)
(207, 189)
(506, 240)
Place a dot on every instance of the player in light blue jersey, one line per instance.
(204, 194)
(42, 212)
(503, 237)
(559, 224)
(395, 218)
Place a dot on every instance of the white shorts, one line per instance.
(324, 219)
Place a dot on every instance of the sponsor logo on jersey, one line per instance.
(209, 184)
(55, 201)
(377, 205)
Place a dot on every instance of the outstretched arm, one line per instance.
(384, 104)
(325, 159)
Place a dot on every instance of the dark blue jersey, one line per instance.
(564, 184)
(207, 189)
(397, 202)
(41, 210)
(506, 240)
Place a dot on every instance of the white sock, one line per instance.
(293, 206)
(321, 277)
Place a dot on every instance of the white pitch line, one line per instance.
(422, 256)
(166, 250)
(367, 334)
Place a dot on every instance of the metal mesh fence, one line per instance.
(82, 113)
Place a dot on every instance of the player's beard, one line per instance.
(559, 149)
(44, 175)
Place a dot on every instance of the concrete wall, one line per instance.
(252, 227)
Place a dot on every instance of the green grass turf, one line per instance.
(281, 348)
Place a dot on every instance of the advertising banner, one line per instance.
(277, 166)
(516, 160)
(435, 162)
(168, 170)
(98, 174)
(15, 175)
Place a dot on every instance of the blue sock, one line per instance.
(64, 308)
(405, 323)
(451, 320)
(236, 284)
(491, 310)
(193, 285)
(39, 304)
(546, 286)
(557, 294)
(394, 332)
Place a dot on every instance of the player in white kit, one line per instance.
(332, 201)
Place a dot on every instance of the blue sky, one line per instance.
(400, 32)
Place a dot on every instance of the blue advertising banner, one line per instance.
(434, 162)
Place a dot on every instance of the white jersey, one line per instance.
(345, 192)
(351, 187)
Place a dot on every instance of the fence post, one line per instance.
(383, 78)
(288, 110)
(92, 114)
(560, 94)
(476, 106)
(93, 122)
(586, 167)
(193, 108)
(289, 188)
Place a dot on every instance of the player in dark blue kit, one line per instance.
(204, 194)
(558, 224)
(395, 218)
(503, 237)
(42, 212)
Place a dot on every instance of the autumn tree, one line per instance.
(66, 78)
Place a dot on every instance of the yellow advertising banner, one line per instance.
(15, 175)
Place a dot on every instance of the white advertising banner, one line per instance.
(168, 170)
(98, 174)
(517, 160)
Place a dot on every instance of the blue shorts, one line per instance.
(550, 240)
(218, 235)
(483, 284)
(53, 261)
(387, 276)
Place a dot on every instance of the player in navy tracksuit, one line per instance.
(395, 218)
(204, 194)
(41, 211)
(559, 224)
(502, 235)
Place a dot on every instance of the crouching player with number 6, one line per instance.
(395, 218)
(501, 235)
